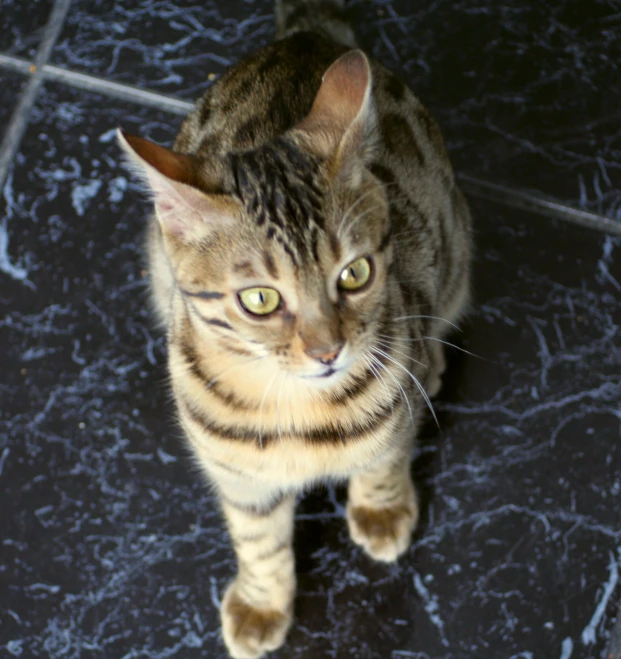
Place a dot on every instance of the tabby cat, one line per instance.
(308, 253)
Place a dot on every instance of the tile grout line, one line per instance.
(100, 85)
(474, 187)
(536, 202)
(21, 113)
(118, 90)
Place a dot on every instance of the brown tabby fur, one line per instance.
(280, 180)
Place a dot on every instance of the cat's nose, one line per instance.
(325, 355)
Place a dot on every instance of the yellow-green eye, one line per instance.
(259, 301)
(355, 275)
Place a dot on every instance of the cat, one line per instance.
(308, 253)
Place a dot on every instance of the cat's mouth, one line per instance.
(324, 374)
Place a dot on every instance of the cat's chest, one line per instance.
(292, 462)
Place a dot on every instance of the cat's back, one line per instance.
(271, 90)
(264, 95)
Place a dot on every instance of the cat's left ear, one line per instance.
(183, 207)
(341, 123)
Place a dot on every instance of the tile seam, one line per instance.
(118, 90)
(516, 198)
(85, 81)
(21, 113)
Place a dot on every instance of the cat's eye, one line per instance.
(355, 275)
(259, 301)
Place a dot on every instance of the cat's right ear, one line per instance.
(340, 126)
(184, 211)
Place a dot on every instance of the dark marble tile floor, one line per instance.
(11, 85)
(112, 546)
(21, 25)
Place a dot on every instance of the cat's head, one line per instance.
(282, 252)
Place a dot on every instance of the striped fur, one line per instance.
(290, 191)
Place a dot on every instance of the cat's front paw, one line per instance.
(249, 631)
(384, 533)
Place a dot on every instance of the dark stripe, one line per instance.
(226, 467)
(383, 173)
(385, 241)
(204, 295)
(270, 266)
(192, 359)
(361, 383)
(205, 112)
(395, 87)
(444, 248)
(335, 246)
(216, 322)
(245, 268)
(384, 487)
(387, 500)
(251, 537)
(431, 128)
(332, 433)
(399, 138)
(235, 350)
(358, 386)
(247, 134)
(254, 510)
(423, 302)
(292, 256)
(270, 553)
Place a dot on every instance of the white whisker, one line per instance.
(401, 389)
(351, 208)
(359, 217)
(367, 360)
(415, 380)
(391, 345)
(444, 320)
(452, 345)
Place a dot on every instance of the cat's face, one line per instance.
(281, 253)
(307, 298)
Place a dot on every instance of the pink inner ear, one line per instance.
(342, 94)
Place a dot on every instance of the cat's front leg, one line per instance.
(257, 608)
(382, 509)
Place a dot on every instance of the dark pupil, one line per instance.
(352, 272)
(261, 300)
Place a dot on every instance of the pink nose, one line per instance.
(325, 356)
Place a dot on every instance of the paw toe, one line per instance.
(250, 631)
(384, 533)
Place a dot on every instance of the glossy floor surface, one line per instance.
(111, 544)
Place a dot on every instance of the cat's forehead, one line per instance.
(289, 202)
(282, 191)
